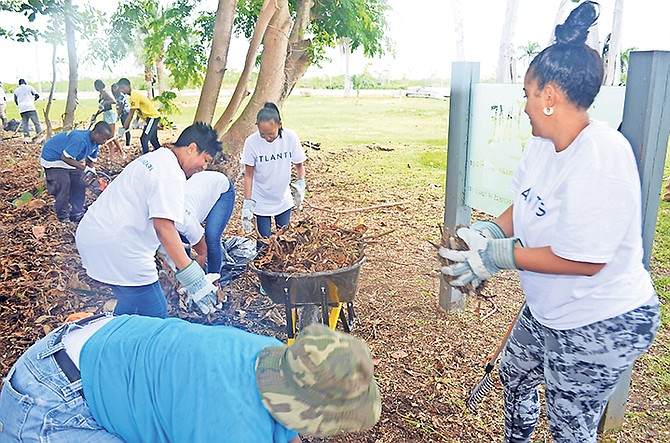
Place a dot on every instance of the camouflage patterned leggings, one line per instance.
(579, 367)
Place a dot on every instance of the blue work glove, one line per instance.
(298, 192)
(248, 206)
(484, 258)
(488, 229)
(120, 132)
(198, 289)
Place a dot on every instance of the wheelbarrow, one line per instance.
(328, 293)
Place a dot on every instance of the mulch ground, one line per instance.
(427, 361)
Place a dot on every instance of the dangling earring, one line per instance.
(548, 111)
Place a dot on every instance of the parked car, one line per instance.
(422, 92)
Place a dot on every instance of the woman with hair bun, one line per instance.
(574, 234)
(267, 158)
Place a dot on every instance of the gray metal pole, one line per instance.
(463, 76)
(646, 125)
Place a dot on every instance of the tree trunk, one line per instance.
(149, 80)
(47, 110)
(613, 59)
(71, 102)
(297, 62)
(216, 65)
(160, 74)
(268, 86)
(265, 15)
(506, 59)
(297, 57)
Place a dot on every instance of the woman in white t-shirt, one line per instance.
(574, 234)
(267, 158)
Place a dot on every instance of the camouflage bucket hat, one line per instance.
(320, 385)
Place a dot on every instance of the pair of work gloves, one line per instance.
(490, 251)
(198, 287)
(248, 205)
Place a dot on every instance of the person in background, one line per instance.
(574, 234)
(3, 106)
(121, 231)
(209, 198)
(132, 379)
(267, 158)
(141, 104)
(105, 104)
(24, 97)
(122, 109)
(66, 158)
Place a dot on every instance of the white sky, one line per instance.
(422, 32)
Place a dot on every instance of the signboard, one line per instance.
(500, 130)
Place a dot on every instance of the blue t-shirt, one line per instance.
(75, 144)
(168, 380)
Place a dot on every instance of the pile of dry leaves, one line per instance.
(309, 246)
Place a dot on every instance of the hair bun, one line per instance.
(576, 27)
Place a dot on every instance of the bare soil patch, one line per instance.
(427, 361)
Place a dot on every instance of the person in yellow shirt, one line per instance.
(146, 109)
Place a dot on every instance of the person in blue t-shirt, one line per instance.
(136, 378)
(66, 158)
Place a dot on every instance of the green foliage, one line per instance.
(159, 34)
(23, 200)
(362, 21)
(167, 107)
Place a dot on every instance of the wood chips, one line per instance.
(312, 247)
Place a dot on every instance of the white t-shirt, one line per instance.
(202, 191)
(583, 202)
(25, 98)
(272, 170)
(116, 238)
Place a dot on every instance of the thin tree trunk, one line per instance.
(506, 59)
(71, 102)
(613, 60)
(47, 110)
(216, 65)
(269, 85)
(265, 15)
(148, 79)
(160, 73)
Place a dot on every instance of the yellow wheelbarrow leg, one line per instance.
(334, 316)
(292, 323)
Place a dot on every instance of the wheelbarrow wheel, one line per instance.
(309, 314)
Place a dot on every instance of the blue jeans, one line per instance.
(215, 223)
(147, 300)
(38, 403)
(264, 222)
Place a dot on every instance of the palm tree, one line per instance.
(528, 52)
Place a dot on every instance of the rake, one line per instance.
(486, 383)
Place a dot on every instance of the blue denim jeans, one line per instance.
(148, 300)
(264, 222)
(215, 223)
(38, 403)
